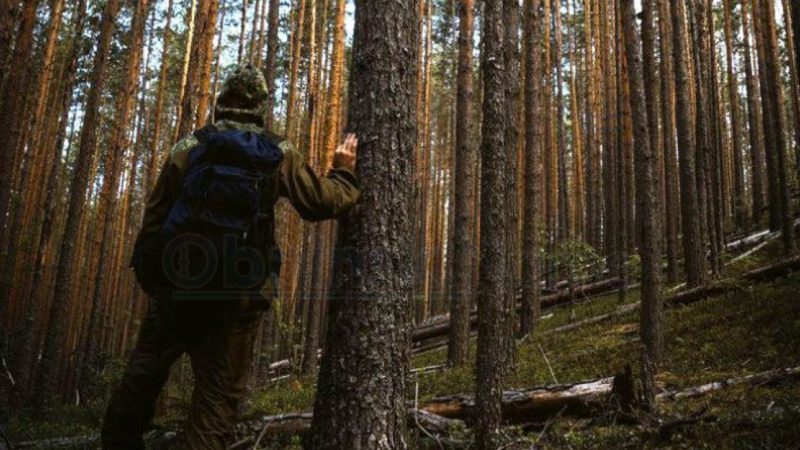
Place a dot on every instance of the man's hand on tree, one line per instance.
(345, 155)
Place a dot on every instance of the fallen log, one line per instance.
(760, 275)
(442, 326)
(697, 294)
(757, 379)
(755, 239)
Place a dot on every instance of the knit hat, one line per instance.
(244, 97)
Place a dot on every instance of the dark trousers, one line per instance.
(218, 339)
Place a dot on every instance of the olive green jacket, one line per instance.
(315, 198)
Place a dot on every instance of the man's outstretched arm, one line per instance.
(320, 198)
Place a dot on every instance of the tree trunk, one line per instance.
(671, 204)
(272, 55)
(107, 201)
(15, 95)
(530, 243)
(206, 55)
(494, 268)
(65, 269)
(361, 390)
(646, 192)
(692, 249)
(755, 126)
(461, 293)
(740, 205)
(155, 141)
(775, 120)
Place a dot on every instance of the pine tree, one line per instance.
(646, 192)
(461, 288)
(530, 251)
(362, 385)
(692, 249)
(493, 267)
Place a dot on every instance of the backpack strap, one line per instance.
(203, 134)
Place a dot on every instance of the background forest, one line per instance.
(555, 175)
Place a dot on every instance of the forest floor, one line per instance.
(754, 330)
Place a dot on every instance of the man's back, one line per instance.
(215, 328)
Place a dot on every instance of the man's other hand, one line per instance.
(345, 155)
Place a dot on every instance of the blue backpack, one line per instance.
(212, 241)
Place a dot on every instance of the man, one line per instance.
(216, 332)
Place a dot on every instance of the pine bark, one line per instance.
(361, 390)
(461, 289)
(755, 125)
(493, 274)
(772, 101)
(739, 201)
(672, 210)
(532, 33)
(690, 223)
(646, 203)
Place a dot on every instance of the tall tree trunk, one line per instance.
(272, 56)
(794, 75)
(184, 89)
(361, 390)
(242, 33)
(461, 293)
(494, 268)
(768, 122)
(564, 222)
(672, 203)
(65, 269)
(297, 36)
(155, 141)
(15, 95)
(7, 27)
(646, 192)
(530, 243)
(107, 201)
(775, 120)
(652, 87)
(200, 64)
(740, 204)
(511, 54)
(755, 125)
(690, 223)
(206, 54)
